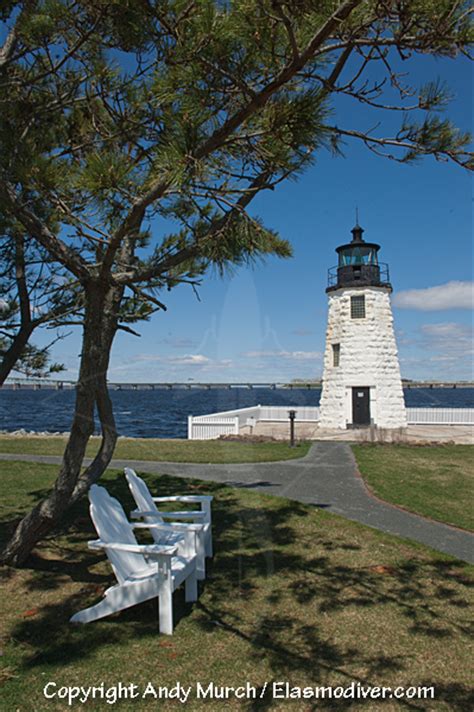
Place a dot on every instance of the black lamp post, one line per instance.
(292, 416)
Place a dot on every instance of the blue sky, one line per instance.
(268, 323)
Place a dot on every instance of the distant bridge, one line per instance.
(50, 383)
(36, 384)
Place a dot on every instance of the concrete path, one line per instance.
(326, 477)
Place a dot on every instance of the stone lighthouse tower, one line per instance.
(361, 379)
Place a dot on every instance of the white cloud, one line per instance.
(440, 351)
(156, 358)
(447, 330)
(291, 355)
(447, 341)
(186, 360)
(190, 359)
(259, 366)
(151, 358)
(452, 295)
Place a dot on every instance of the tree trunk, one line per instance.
(100, 326)
(109, 439)
(21, 338)
(14, 352)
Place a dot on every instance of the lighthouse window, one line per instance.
(336, 352)
(357, 256)
(358, 307)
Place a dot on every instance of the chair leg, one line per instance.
(190, 588)
(165, 613)
(201, 556)
(112, 603)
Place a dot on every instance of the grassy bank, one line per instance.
(292, 594)
(436, 481)
(216, 451)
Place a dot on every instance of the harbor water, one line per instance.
(163, 413)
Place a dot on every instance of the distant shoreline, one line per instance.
(20, 385)
(45, 434)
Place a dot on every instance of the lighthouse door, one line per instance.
(361, 406)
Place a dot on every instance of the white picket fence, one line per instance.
(440, 416)
(229, 422)
(211, 428)
(208, 427)
(276, 412)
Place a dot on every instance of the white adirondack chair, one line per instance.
(146, 508)
(142, 571)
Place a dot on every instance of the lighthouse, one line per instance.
(361, 377)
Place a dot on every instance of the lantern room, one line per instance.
(358, 264)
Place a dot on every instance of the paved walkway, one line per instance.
(326, 477)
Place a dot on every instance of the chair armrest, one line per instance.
(168, 527)
(186, 498)
(145, 549)
(183, 515)
(186, 526)
(139, 513)
(171, 526)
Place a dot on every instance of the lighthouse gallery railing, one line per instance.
(383, 268)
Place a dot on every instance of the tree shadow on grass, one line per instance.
(323, 586)
(293, 647)
(269, 585)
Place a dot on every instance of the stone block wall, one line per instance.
(368, 357)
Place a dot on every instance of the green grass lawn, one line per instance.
(293, 594)
(216, 451)
(436, 480)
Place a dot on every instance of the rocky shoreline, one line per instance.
(33, 433)
(45, 434)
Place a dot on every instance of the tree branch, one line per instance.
(37, 229)
(191, 251)
(370, 141)
(11, 41)
(136, 214)
(20, 276)
(147, 297)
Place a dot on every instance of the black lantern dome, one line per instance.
(358, 264)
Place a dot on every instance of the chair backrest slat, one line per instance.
(144, 500)
(112, 525)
